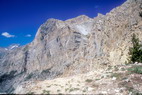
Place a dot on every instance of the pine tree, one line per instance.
(135, 52)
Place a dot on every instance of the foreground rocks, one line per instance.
(114, 80)
(74, 46)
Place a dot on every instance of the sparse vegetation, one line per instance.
(117, 75)
(49, 86)
(89, 80)
(84, 90)
(133, 91)
(135, 69)
(58, 90)
(123, 69)
(109, 67)
(30, 93)
(124, 78)
(116, 68)
(95, 86)
(73, 89)
(97, 79)
(60, 94)
(46, 92)
(56, 84)
(66, 89)
(102, 77)
(135, 52)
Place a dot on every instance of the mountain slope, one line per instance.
(78, 45)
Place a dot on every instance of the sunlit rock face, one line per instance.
(64, 48)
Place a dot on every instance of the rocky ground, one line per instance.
(115, 80)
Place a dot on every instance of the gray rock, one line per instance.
(64, 48)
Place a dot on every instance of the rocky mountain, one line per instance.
(74, 46)
(3, 51)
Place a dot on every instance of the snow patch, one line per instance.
(82, 29)
(6, 49)
(15, 46)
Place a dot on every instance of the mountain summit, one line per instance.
(74, 46)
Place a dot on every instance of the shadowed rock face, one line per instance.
(73, 46)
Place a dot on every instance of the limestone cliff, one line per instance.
(65, 48)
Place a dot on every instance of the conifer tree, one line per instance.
(135, 51)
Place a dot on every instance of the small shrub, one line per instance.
(56, 84)
(102, 77)
(46, 92)
(66, 89)
(73, 89)
(30, 93)
(124, 78)
(89, 80)
(97, 79)
(84, 90)
(76, 88)
(133, 91)
(62, 86)
(117, 75)
(109, 68)
(135, 52)
(60, 94)
(48, 86)
(78, 85)
(116, 68)
(58, 90)
(135, 69)
(123, 69)
(94, 85)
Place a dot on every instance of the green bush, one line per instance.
(46, 92)
(30, 93)
(135, 52)
(88, 80)
(135, 69)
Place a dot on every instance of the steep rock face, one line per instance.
(63, 48)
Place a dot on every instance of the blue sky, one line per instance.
(20, 19)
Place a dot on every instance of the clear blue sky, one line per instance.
(20, 19)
